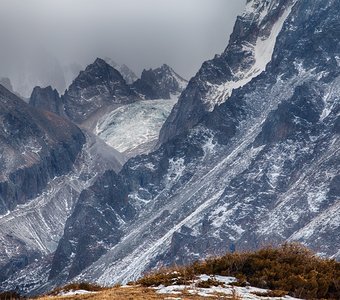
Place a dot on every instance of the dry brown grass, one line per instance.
(291, 268)
(132, 293)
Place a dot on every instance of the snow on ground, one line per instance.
(225, 288)
(75, 292)
(130, 126)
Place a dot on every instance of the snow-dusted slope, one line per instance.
(32, 231)
(249, 51)
(258, 52)
(134, 128)
(261, 167)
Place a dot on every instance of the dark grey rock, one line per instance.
(35, 147)
(46, 99)
(160, 83)
(98, 86)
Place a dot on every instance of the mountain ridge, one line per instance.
(259, 165)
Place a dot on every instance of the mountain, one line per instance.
(261, 167)
(45, 163)
(134, 128)
(160, 83)
(102, 102)
(249, 50)
(98, 86)
(47, 99)
(129, 76)
(35, 146)
(249, 156)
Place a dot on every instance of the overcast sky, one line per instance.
(139, 33)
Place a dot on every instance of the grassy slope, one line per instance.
(290, 269)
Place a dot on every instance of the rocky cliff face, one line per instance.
(47, 99)
(98, 86)
(160, 83)
(35, 147)
(249, 50)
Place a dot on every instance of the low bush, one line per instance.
(290, 268)
(77, 286)
(274, 293)
(168, 276)
(209, 283)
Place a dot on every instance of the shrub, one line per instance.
(209, 283)
(168, 276)
(290, 268)
(77, 286)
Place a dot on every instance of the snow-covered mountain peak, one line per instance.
(249, 51)
(267, 18)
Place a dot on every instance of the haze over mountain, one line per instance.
(140, 34)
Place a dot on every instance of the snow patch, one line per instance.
(262, 54)
(75, 292)
(176, 169)
(225, 288)
(133, 125)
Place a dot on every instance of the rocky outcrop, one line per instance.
(102, 219)
(98, 86)
(47, 99)
(160, 83)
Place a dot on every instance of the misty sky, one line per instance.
(139, 33)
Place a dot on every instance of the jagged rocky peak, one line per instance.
(98, 86)
(46, 99)
(101, 69)
(35, 146)
(129, 76)
(249, 51)
(160, 83)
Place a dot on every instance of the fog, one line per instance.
(37, 35)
